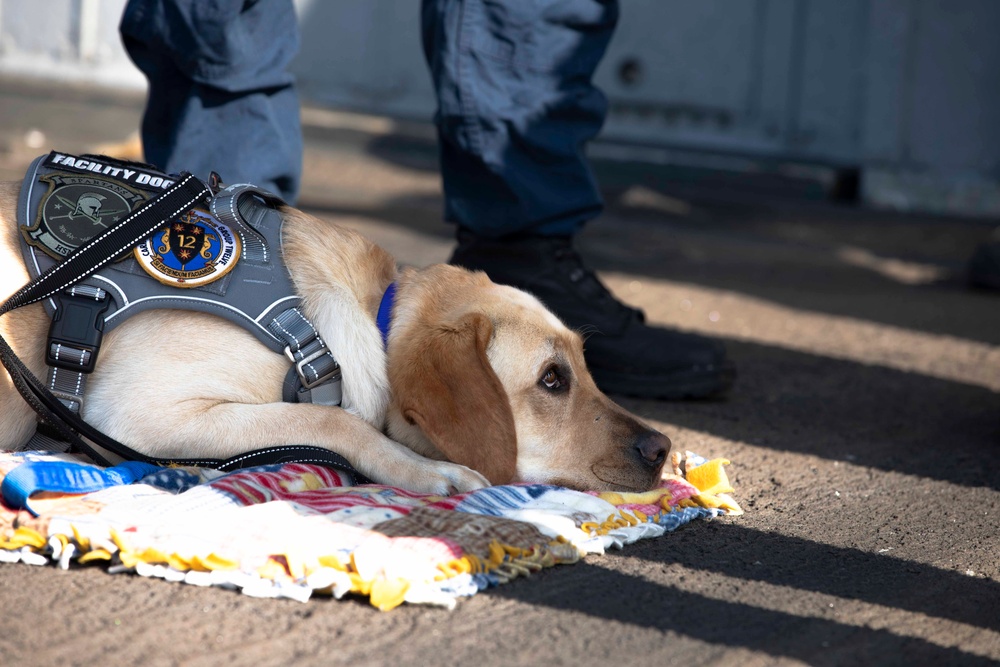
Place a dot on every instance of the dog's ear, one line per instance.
(447, 387)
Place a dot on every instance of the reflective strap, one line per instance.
(95, 293)
(292, 391)
(247, 209)
(68, 354)
(313, 362)
(68, 386)
(41, 441)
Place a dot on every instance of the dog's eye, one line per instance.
(552, 380)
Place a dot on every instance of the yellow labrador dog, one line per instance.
(479, 383)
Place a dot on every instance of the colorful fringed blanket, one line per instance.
(292, 530)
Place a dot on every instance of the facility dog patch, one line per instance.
(193, 250)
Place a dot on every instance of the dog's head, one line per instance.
(484, 375)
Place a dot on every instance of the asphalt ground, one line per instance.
(864, 434)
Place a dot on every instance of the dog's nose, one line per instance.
(653, 447)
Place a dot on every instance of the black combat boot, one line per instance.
(984, 267)
(624, 354)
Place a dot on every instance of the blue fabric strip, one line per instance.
(66, 477)
(385, 312)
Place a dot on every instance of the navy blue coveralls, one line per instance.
(516, 104)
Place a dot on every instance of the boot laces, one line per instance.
(569, 260)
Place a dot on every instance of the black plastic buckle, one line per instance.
(77, 323)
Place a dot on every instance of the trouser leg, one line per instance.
(516, 106)
(220, 97)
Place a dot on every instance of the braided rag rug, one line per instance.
(291, 530)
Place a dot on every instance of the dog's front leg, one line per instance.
(220, 430)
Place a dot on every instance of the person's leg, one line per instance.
(220, 96)
(516, 106)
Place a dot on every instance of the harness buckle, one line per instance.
(77, 329)
(72, 401)
(332, 374)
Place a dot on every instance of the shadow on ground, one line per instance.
(804, 635)
(845, 411)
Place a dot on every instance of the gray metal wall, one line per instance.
(903, 89)
(65, 39)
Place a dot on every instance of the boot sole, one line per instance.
(689, 384)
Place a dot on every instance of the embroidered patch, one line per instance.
(129, 173)
(193, 250)
(77, 208)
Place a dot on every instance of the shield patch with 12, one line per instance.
(193, 250)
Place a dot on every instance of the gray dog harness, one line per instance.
(224, 259)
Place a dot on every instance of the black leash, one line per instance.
(180, 198)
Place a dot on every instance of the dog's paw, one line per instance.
(442, 478)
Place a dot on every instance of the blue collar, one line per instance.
(385, 312)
